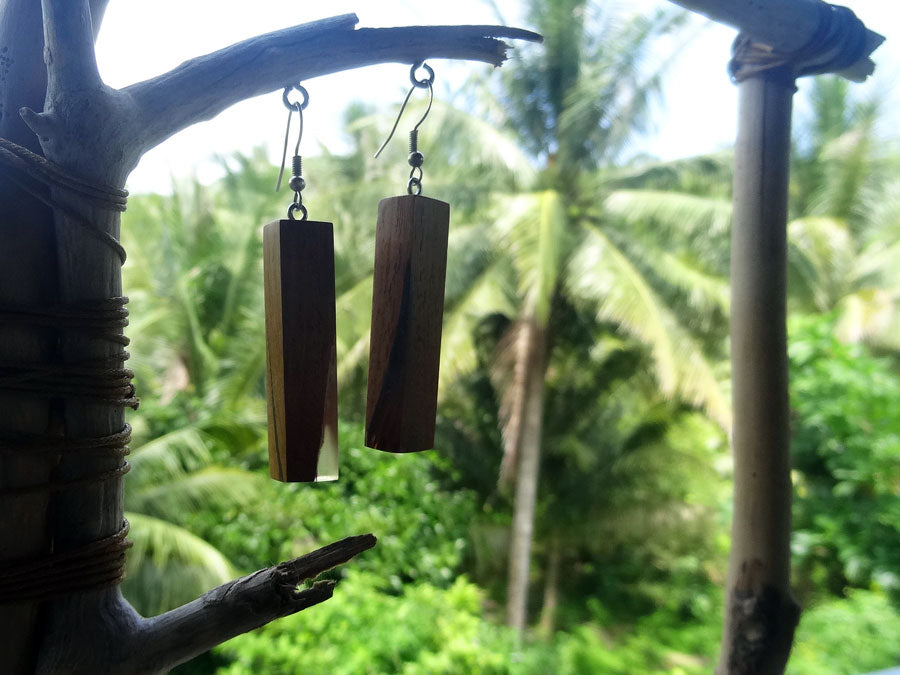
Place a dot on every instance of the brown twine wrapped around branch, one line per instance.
(102, 562)
(96, 564)
(98, 379)
(103, 319)
(31, 173)
(838, 43)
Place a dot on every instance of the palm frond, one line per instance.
(353, 314)
(683, 213)
(533, 229)
(209, 487)
(168, 457)
(602, 274)
(485, 295)
(704, 292)
(168, 566)
(822, 256)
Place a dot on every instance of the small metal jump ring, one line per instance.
(425, 82)
(297, 207)
(414, 186)
(296, 105)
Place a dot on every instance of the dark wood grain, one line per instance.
(301, 367)
(407, 312)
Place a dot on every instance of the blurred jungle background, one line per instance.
(586, 325)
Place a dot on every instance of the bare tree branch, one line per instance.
(84, 125)
(203, 87)
(69, 46)
(101, 133)
(239, 606)
(98, 10)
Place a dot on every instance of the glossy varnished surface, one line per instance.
(301, 368)
(407, 311)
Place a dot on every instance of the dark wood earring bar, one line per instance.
(301, 359)
(407, 313)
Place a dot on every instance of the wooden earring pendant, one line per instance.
(301, 355)
(407, 310)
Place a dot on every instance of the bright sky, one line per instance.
(140, 40)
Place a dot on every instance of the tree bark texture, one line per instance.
(526, 477)
(760, 615)
(53, 102)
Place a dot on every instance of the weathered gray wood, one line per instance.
(237, 607)
(99, 134)
(201, 88)
(786, 25)
(27, 233)
(87, 270)
(760, 614)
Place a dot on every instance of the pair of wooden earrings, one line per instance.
(407, 312)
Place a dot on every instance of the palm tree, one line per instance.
(199, 353)
(844, 239)
(548, 242)
(845, 204)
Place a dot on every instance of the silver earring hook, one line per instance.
(292, 106)
(416, 84)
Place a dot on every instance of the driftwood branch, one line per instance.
(239, 606)
(85, 126)
(785, 25)
(29, 244)
(143, 115)
(69, 46)
(203, 87)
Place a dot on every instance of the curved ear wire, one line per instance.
(299, 107)
(416, 84)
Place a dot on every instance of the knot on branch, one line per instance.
(840, 40)
(763, 619)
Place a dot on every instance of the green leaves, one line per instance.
(845, 450)
(602, 274)
(162, 553)
(533, 232)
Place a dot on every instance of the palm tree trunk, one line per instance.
(551, 588)
(526, 480)
(761, 614)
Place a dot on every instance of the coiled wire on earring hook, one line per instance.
(416, 159)
(297, 183)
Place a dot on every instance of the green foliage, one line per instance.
(365, 630)
(421, 527)
(426, 630)
(845, 450)
(853, 635)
